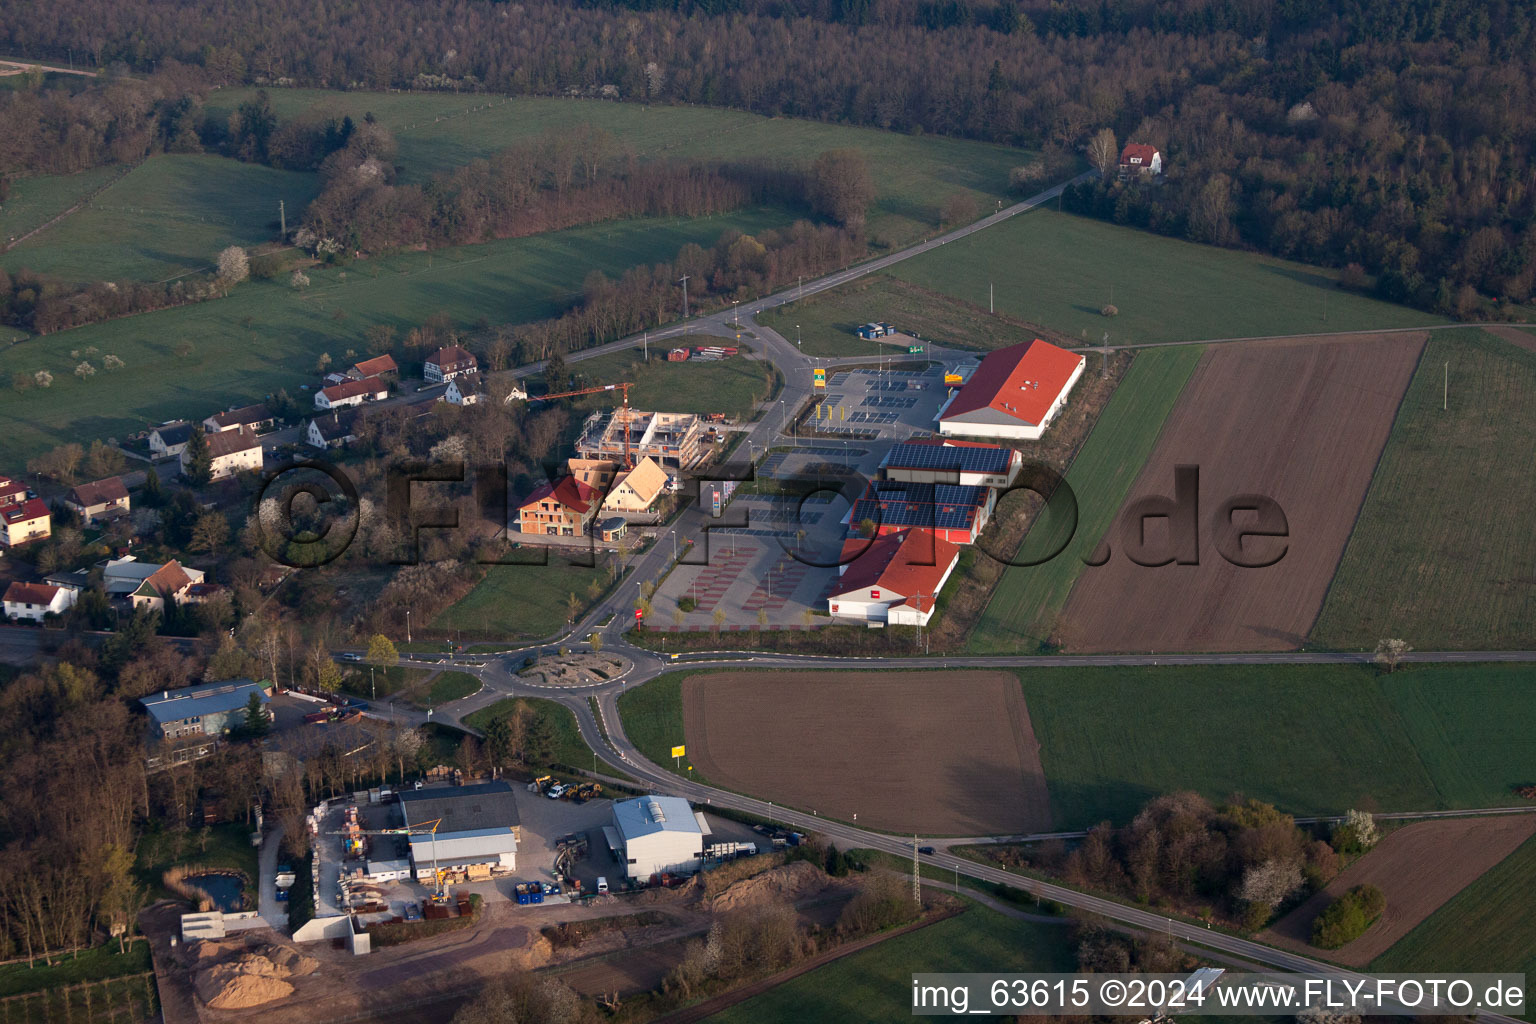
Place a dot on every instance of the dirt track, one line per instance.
(1418, 869)
(935, 753)
(1300, 421)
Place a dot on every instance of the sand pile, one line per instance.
(254, 977)
(790, 882)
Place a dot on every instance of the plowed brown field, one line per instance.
(1300, 421)
(935, 753)
(1417, 868)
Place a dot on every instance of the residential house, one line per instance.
(351, 392)
(36, 600)
(231, 452)
(563, 508)
(255, 418)
(448, 363)
(169, 439)
(893, 579)
(1140, 160)
(12, 491)
(22, 522)
(169, 582)
(378, 366)
(465, 389)
(103, 500)
(208, 709)
(637, 490)
(333, 430)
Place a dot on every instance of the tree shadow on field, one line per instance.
(1311, 278)
(1078, 806)
(1295, 640)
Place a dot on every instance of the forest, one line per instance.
(1384, 135)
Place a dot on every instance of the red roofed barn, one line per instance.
(895, 579)
(1014, 393)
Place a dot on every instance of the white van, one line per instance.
(602, 885)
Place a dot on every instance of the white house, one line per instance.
(231, 451)
(351, 392)
(167, 440)
(449, 362)
(464, 389)
(1015, 393)
(35, 600)
(1140, 160)
(655, 834)
(333, 430)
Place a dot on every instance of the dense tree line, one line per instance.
(1388, 134)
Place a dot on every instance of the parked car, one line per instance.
(602, 885)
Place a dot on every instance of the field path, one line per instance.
(84, 201)
(1417, 868)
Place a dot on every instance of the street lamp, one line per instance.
(407, 625)
(797, 335)
(783, 415)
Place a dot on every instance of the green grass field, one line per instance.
(1312, 739)
(1490, 926)
(913, 175)
(95, 964)
(827, 322)
(169, 216)
(265, 336)
(653, 716)
(1027, 599)
(35, 201)
(450, 686)
(382, 680)
(568, 747)
(1442, 554)
(876, 983)
(734, 386)
(112, 1001)
(1057, 270)
(521, 601)
(223, 846)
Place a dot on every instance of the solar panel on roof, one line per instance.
(963, 459)
(937, 506)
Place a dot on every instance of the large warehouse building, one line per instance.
(1014, 393)
(895, 578)
(477, 830)
(655, 834)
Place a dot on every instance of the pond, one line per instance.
(226, 891)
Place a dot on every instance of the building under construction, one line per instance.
(674, 439)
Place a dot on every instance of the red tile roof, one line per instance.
(898, 563)
(353, 388)
(101, 492)
(30, 593)
(1021, 380)
(568, 491)
(166, 580)
(1139, 152)
(375, 366)
(24, 511)
(11, 490)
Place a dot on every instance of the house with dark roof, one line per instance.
(952, 513)
(465, 389)
(894, 578)
(449, 362)
(168, 439)
(255, 418)
(209, 709)
(100, 500)
(1140, 160)
(231, 451)
(36, 601)
(1015, 393)
(333, 430)
(563, 508)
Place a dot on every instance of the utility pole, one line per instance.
(646, 343)
(1445, 397)
(917, 885)
(990, 307)
(1105, 359)
(684, 283)
(282, 220)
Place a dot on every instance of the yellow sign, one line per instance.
(951, 378)
(819, 377)
(679, 751)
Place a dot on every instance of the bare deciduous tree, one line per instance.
(1104, 152)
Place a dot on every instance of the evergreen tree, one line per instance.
(151, 495)
(256, 723)
(199, 462)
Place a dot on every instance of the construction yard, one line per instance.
(1299, 422)
(1418, 868)
(935, 753)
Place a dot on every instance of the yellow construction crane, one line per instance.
(425, 828)
(629, 462)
